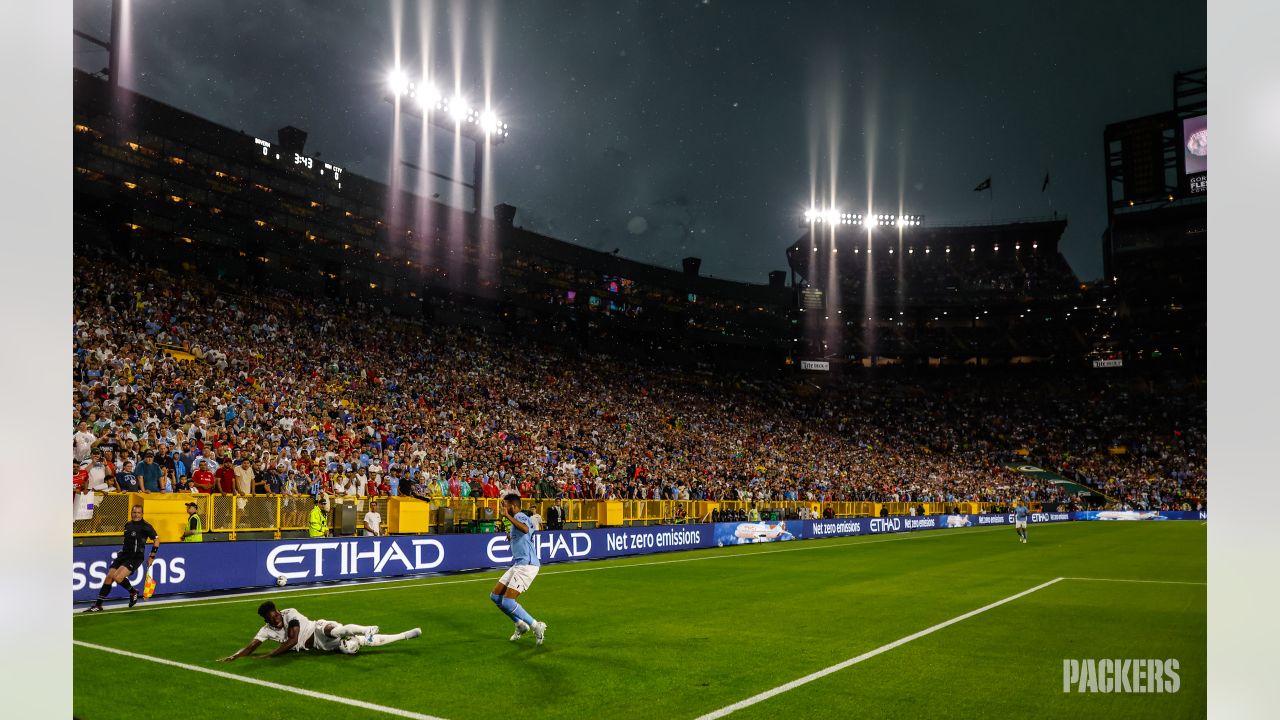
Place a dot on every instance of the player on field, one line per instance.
(524, 568)
(1020, 519)
(136, 534)
(295, 632)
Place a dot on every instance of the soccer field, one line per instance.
(684, 635)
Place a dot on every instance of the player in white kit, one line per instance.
(294, 631)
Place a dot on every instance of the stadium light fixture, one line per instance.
(458, 108)
(448, 112)
(835, 216)
(398, 82)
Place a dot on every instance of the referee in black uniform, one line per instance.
(136, 534)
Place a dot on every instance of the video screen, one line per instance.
(1195, 153)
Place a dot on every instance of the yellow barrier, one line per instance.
(232, 514)
(109, 516)
(407, 516)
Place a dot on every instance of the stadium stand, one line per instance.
(228, 308)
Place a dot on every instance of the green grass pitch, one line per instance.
(684, 634)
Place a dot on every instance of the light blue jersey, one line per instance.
(523, 551)
(1020, 512)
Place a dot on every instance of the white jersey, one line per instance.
(306, 628)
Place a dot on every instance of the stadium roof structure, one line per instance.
(521, 241)
(935, 262)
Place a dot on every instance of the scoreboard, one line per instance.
(307, 165)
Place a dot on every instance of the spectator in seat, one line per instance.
(202, 480)
(149, 473)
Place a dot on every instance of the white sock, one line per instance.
(386, 639)
(344, 630)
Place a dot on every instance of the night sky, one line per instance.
(701, 127)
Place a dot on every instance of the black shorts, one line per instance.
(130, 561)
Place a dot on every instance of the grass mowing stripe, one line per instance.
(177, 603)
(867, 655)
(264, 683)
(1136, 580)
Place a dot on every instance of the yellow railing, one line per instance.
(276, 514)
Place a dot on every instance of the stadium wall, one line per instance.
(205, 567)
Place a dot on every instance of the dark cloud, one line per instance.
(618, 108)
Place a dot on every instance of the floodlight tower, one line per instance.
(421, 99)
(119, 12)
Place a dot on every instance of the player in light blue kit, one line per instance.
(524, 568)
(1020, 519)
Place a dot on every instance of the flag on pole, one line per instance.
(984, 185)
(1045, 185)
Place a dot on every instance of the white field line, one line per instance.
(865, 656)
(1135, 580)
(401, 583)
(264, 683)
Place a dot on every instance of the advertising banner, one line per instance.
(1141, 515)
(202, 567)
(199, 567)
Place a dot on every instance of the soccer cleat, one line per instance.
(521, 628)
(539, 630)
(133, 598)
(416, 632)
(373, 630)
(93, 608)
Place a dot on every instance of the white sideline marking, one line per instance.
(179, 603)
(865, 656)
(1134, 580)
(264, 683)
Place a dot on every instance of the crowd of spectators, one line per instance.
(274, 393)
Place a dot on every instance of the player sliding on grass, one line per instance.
(294, 631)
(524, 568)
(1020, 519)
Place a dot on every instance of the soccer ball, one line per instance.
(280, 581)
